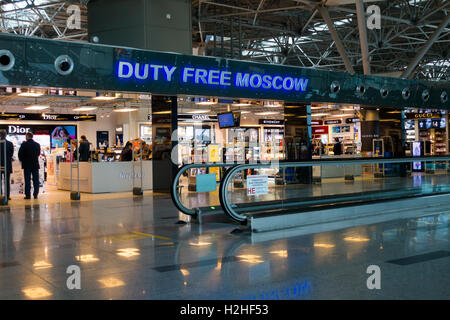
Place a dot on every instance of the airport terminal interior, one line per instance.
(277, 150)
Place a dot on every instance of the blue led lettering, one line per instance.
(274, 83)
(267, 81)
(156, 68)
(129, 68)
(225, 77)
(200, 74)
(252, 82)
(301, 84)
(285, 83)
(169, 72)
(137, 72)
(188, 73)
(213, 77)
(242, 81)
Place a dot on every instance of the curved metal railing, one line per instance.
(174, 191)
(237, 213)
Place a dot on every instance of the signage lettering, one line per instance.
(333, 122)
(156, 72)
(269, 121)
(17, 129)
(48, 117)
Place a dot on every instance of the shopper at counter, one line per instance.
(146, 151)
(29, 153)
(7, 165)
(337, 148)
(127, 152)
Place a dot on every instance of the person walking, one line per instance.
(6, 172)
(84, 147)
(29, 153)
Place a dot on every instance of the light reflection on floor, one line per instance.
(132, 248)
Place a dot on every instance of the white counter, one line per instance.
(101, 177)
(337, 171)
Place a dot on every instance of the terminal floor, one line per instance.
(132, 248)
(330, 186)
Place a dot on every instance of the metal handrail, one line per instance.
(229, 175)
(176, 179)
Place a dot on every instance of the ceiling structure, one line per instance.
(412, 42)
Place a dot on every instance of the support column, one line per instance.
(340, 47)
(164, 123)
(408, 73)
(370, 129)
(363, 35)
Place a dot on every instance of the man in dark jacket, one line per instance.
(29, 153)
(337, 148)
(84, 149)
(8, 170)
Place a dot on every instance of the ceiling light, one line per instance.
(273, 106)
(319, 114)
(198, 111)
(243, 112)
(125, 109)
(163, 112)
(30, 94)
(341, 115)
(104, 98)
(85, 108)
(267, 113)
(241, 104)
(37, 107)
(205, 103)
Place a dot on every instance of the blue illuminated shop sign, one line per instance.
(212, 77)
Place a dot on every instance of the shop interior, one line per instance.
(211, 129)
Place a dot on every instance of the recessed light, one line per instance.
(125, 110)
(267, 113)
(205, 103)
(30, 94)
(37, 107)
(198, 111)
(104, 98)
(85, 108)
(241, 104)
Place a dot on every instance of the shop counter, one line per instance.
(101, 177)
(337, 171)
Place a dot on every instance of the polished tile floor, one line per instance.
(133, 248)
